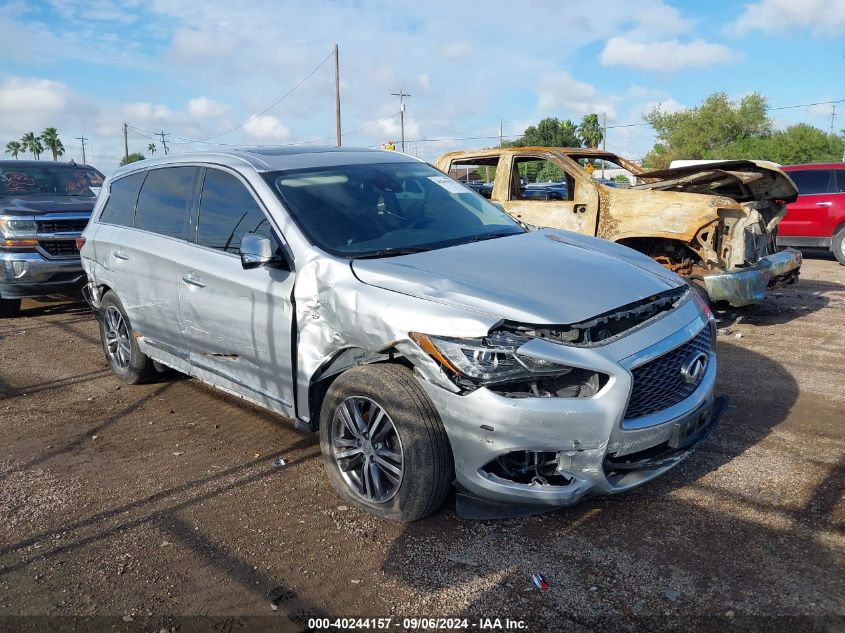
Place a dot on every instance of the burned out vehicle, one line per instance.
(715, 224)
(363, 294)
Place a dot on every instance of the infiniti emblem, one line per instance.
(693, 367)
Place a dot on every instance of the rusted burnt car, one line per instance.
(714, 223)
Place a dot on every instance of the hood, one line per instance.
(742, 180)
(542, 277)
(41, 204)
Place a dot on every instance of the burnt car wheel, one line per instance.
(123, 355)
(383, 444)
(838, 246)
(9, 308)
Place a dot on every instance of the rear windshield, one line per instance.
(53, 180)
(387, 208)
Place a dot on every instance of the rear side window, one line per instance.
(227, 212)
(840, 177)
(810, 181)
(165, 199)
(120, 207)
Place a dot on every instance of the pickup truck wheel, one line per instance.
(838, 246)
(383, 444)
(123, 355)
(9, 308)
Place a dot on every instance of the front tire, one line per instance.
(383, 443)
(838, 246)
(123, 355)
(9, 308)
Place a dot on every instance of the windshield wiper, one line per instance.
(393, 252)
(488, 236)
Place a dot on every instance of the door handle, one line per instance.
(120, 255)
(580, 208)
(193, 280)
(824, 204)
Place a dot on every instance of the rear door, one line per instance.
(237, 323)
(156, 251)
(807, 218)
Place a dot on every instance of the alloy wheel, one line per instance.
(116, 332)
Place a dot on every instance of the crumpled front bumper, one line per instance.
(31, 275)
(748, 285)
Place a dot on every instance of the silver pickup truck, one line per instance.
(44, 206)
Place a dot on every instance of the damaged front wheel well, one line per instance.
(675, 255)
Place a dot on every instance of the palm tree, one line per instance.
(50, 136)
(32, 143)
(151, 148)
(590, 130)
(14, 148)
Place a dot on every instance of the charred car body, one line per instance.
(714, 224)
(43, 209)
(424, 333)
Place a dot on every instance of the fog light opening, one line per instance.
(537, 468)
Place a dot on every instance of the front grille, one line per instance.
(59, 248)
(62, 226)
(659, 384)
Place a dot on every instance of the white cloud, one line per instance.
(24, 95)
(267, 128)
(667, 106)
(206, 108)
(666, 56)
(560, 91)
(192, 45)
(823, 17)
(454, 51)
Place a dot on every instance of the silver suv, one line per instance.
(429, 337)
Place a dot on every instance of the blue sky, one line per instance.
(196, 69)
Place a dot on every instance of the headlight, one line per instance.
(486, 360)
(18, 233)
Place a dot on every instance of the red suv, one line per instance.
(817, 218)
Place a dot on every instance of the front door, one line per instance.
(807, 216)
(237, 323)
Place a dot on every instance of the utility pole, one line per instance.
(126, 142)
(82, 139)
(163, 142)
(832, 117)
(603, 138)
(401, 94)
(500, 131)
(337, 92)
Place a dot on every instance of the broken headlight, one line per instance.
(487, 360)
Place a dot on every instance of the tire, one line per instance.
(9, 308)
(427, 466)
(838, 246)
(138, 368)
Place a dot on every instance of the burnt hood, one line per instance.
(41, 204)
(742, 180)
(542, 277)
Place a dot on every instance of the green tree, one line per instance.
(14, 148)
(134, 157)
(706, 130)
(590, 130)
(32, 143)
(549, 172)
(50, 136)
(800, 143)
(151, 148)
(550, 132)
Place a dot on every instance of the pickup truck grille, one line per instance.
(658, 384)
(59, 248)
(62, 226)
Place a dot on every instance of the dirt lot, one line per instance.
(152, 503)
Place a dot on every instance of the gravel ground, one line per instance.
(148, 506)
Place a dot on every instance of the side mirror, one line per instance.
(256, 251)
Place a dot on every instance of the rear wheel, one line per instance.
(383, 444)
(123, 355)
(9, 308)
(838, 246)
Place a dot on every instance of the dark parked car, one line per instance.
(44, 206)
(817, 218)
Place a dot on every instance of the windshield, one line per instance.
(387, 209)
(53, 180)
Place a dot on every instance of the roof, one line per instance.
(278, 158)
(813, 166)
(495, 151)
(40, 163)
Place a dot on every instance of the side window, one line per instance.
(123, 193)
(810, 181)
(539, 179)
(478, 174)
(165, 199)
(840, 177)
(227, 212)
